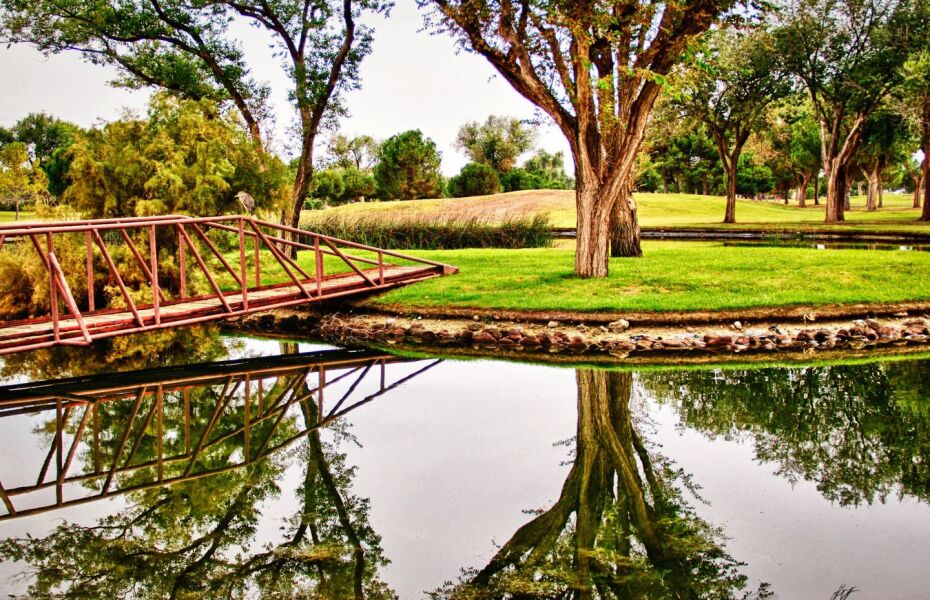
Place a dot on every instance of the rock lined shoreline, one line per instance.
(619, 338)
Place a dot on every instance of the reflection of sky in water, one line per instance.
(452, 458)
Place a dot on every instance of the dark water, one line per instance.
(139, 477)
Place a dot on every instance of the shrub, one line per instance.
(476, 179)
(518, 179)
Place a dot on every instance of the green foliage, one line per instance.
(753, 177)
(21, 180)
(408, 167)
(475, 179)
(342, 185)
(47, 140)
(549, 170)
(328, 185)
(185, 157)
(344, 152)
(498, 142)
(431, 233)
(359, 185)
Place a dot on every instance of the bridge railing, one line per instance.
(141, 430)
(235, 279)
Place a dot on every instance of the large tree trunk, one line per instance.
(592, 238)
(302, 184)
(836, 192)
(817, 188)
(918, 184)
(729, 160)
(730, 216)
(872, 176)
(803, 180)
(836, 152)
(848, 194)
(624, 227)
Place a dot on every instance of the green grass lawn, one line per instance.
(9, 216)
(655, 210)
(672, 276)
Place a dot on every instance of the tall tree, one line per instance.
(21, 180)
(596, 68)
(344, 152)
(186, 47)
(847, 53)
(794, 133)
(186, 157)
(497, 142)
(884, 143)
(408, 167)
(734, 80)
(916, 91)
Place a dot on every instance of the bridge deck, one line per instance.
(38, 333)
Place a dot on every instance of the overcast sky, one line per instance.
(411, 80)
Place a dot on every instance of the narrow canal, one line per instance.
(246, 467)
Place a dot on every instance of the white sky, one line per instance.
(411, 80)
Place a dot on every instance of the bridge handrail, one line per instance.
(109, 224)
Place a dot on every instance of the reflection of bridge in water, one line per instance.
(112, 434)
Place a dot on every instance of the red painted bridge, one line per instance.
(168, 271)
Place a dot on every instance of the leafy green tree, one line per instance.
(794, 133)
(21, 180)
(753, 177)
(188, 49)
(359, 185)
(912, 167)
(475, 179)
(359, 152)
(735, 79)
(328, 185)
(408, 167)
(48, 140)
(549, 168)
(185, 157)
(915, 93)
(848, 55)
(683, 155)
(596, 69)
(498, 142)
(885, 142)
(517, 179)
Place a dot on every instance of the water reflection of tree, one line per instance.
(197, 538)
(620, 528)
(164, 347)
(861, 432)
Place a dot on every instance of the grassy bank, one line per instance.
(671, 277)
(655, 211)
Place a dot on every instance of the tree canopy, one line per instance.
(408, 167)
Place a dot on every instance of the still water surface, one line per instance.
(444, 478)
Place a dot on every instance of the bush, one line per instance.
(427, 233)
(518, 179)
(476, 179)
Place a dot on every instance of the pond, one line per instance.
(249, 467)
